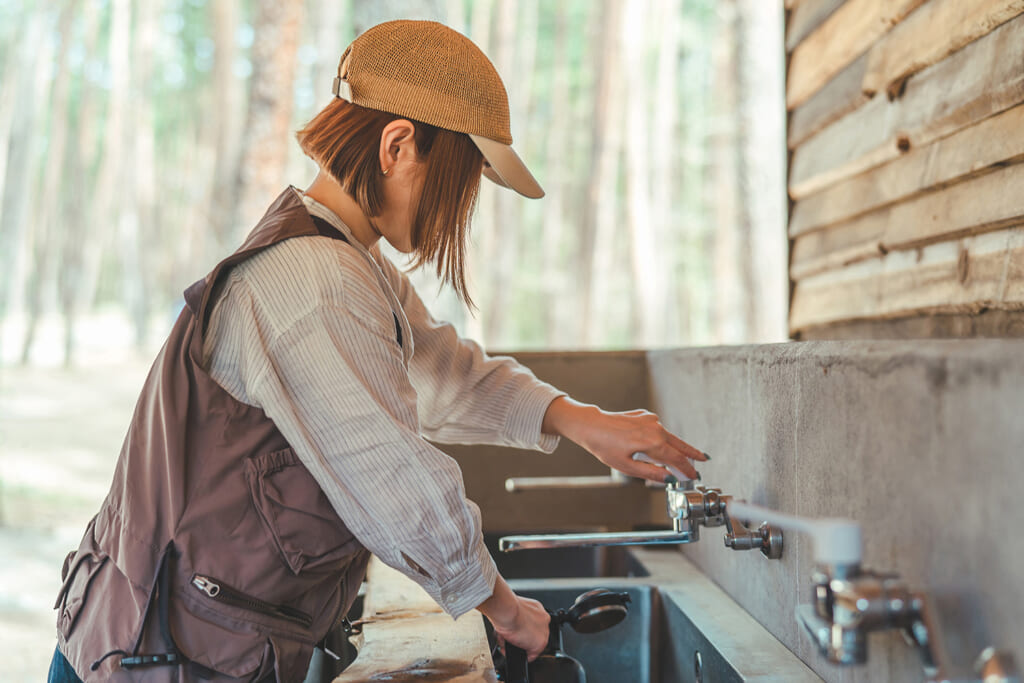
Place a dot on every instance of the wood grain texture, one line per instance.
(844, 36)
(407, 637)
(839, 97)
(806, 17)
(977, 149)
(966, 276)
(982, 79)
(988, 324)
(837, 247)
(983, 204)
(930, 34)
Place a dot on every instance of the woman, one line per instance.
(281, 435)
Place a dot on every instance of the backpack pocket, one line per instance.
(305, 529)
(80, 568)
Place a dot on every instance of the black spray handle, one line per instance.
(516, 667)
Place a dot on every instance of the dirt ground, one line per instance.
(60, 433)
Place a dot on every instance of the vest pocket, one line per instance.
(81, 568)
(305, 529)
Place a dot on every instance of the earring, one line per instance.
(385, 171)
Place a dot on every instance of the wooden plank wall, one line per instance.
(906, 137)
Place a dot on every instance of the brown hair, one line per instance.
(344, 139)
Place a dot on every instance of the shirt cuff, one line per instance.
(526, 417)
(470, 586)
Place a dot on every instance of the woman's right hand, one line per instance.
(529, 630)
(520, 621)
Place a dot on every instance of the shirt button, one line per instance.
(452, 598)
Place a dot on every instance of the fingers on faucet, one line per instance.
(686, 449)
(649, 472)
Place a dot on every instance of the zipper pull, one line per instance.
(204, 584)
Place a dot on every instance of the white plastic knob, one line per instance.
(837, 541)
(675, 471)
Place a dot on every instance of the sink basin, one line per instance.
(681, 628)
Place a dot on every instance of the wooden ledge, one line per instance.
(407, 637)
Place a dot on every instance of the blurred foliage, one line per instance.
(181, 89)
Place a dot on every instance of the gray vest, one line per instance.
(215, 554)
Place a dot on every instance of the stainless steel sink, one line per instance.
(681, 628)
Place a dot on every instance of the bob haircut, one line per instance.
(344, 139)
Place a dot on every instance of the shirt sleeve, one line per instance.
(466, 396)
(328, 371)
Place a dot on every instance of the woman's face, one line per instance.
(404, 174)
(402, 188)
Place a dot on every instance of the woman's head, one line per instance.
(358, 148)
(441, 84)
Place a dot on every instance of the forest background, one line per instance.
(141, 139)
(144, 138)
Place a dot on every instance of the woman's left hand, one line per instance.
(613, 438)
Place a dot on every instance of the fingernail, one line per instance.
(671, 480)
(707, 457)
(698, 475)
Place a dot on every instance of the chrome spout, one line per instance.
(613, 480)
(517, 484)
(509, 544)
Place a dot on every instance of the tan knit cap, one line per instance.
(431, 73)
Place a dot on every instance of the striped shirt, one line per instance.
(305, 331)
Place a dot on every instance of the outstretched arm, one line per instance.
(613, 438)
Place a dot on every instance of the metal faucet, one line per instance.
(689, 508)
(850, 602)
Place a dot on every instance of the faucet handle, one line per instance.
(837, 541)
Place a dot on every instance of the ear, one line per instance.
(397, 145)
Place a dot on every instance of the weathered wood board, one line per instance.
(844, 36)
(982, 79)
(806, 17)
(839, 97)
(961, 276)
(977, 149)
(981, 204)
(407, 637)
(928, 35)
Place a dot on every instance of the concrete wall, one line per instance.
(921, 442)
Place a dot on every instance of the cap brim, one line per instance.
(505, 168)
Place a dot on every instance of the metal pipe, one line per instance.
(511, 543)
(516, 484)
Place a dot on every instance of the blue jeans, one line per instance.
(61, 671)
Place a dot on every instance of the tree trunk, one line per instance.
(648, 268)
(670, 233)
(334, 28)
(139, 222)
(602, 192)
(762, 151)
(483, 230)
(727, 307)
(502, 259)
(22, 159)
(224, 112)
(267, 136)
(41, 235)
(105, 215)
(555, 278)
(80, 218)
